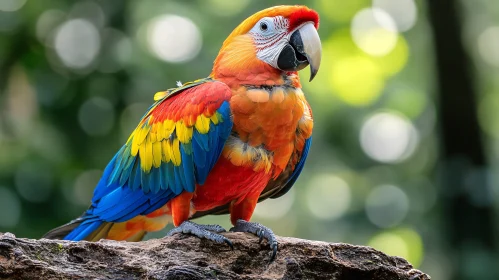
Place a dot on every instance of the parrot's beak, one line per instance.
(304, 48)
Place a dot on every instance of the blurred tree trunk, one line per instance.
(468, 212)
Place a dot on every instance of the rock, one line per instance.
(187, 257)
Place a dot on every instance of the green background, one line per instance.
(76, 76)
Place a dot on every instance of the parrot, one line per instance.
(216, 145)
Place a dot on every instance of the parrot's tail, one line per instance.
(62, 231)
(89, 229)
(81, 229)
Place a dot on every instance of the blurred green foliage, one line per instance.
(76, 76)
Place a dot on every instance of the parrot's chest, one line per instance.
(270, 127)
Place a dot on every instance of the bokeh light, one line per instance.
(390, 244)
(84, 185)
(47, 22)
(77, 43)
(403, 242)
(387, 206)
(96, 116)
(11, 5)
(348, 65)
(276, 208)
(403, 12)
(20, 100)
(328, 196)
(488, 114)
(374, 31)
(488, 45)
(388, 137)
(341, 11)
(117, 54)
(173, 38)
(346, 75)
(10, 208)
(88, 10)
(394, 61)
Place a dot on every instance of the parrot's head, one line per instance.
(271, 43)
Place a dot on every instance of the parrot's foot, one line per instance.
(259, 230)
(209, 232)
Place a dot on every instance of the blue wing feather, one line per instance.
(171, 177)
(83, 230)
(155, 180)
(102, 189)
(134, 181)
(199, 153)
(125, 176)
(125, 190)
(202, 140)
(145, 181)
(179, 184)
(188, 169)
(117, 171)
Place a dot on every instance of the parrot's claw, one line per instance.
(213, 228)
(259, 230)
(209, 232)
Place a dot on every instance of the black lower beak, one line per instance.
(304, 48)
(293, 56)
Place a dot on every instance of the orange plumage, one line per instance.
(216, 145)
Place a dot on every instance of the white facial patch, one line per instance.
(270, 35)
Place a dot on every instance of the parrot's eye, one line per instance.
(263, 26)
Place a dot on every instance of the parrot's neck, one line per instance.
(236, 65)
(256, 75)
(267, 80)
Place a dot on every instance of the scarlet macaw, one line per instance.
(216, 145)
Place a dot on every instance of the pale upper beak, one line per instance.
(312, 47)
(304, 49)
